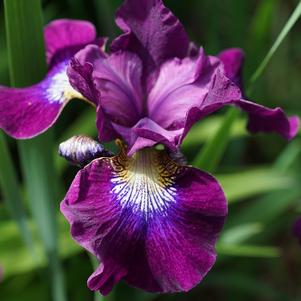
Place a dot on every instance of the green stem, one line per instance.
(12, 194)
(213, 150)
(24, 28)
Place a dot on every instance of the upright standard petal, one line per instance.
(27, 112)
(181, 84)
(111, 82)
(148, 220)
(64, 37)
(233, 59)
(151, 31)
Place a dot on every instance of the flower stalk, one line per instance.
(25, 42)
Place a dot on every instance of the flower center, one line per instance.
(145, 183)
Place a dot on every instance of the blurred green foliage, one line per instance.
(258, 257)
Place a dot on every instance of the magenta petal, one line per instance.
(147, 220)
(181, 84)
(118, 78)
(65, 37)
(269, 120)
(147, 133)
(233, 59)
(80, 72)
(113, 82)
(224, 92)
(151, 31)
(27, 112)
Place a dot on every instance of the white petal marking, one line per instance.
(145, 183)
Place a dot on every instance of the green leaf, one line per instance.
(241, 282)
(24, 28)
(12, 195)
(267, 208)
(241, 233)
(16, 260)
(241, 185)
(204, 130)
(105, 16)
(289, 156)
(284, 32)
(213, 150)
(247, 250)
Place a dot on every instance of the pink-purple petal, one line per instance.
(147, 133)
(80, 72)
(118, 78)
(151, 31)
(113, 81)
(148, 221)
(27, 112)
(263, 119)
(181, 84)
(233, 59)
(64, 37)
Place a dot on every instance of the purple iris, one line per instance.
(148, 218)
(297, 229)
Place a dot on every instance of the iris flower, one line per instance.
(297, 229)
(150, 220)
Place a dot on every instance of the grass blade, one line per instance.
(12, 195)
(284, 32)
(213, 150)
(25, 41)
(245, 184)
(247, 250)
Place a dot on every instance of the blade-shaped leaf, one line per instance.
(12, 196)
(25, 42)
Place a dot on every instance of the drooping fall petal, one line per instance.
(27, 112)
(148, 220)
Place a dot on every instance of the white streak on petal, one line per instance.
(145, 182)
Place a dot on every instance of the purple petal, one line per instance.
(297, 229)
(262, 119)
(151, 31)
(181, 84)
(233, 59)
(63, 38)
(147, 133)
(116, 79)
(27, 112)
(148, 220)
(80, 72)
(201, 87)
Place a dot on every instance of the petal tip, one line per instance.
(294, 125)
